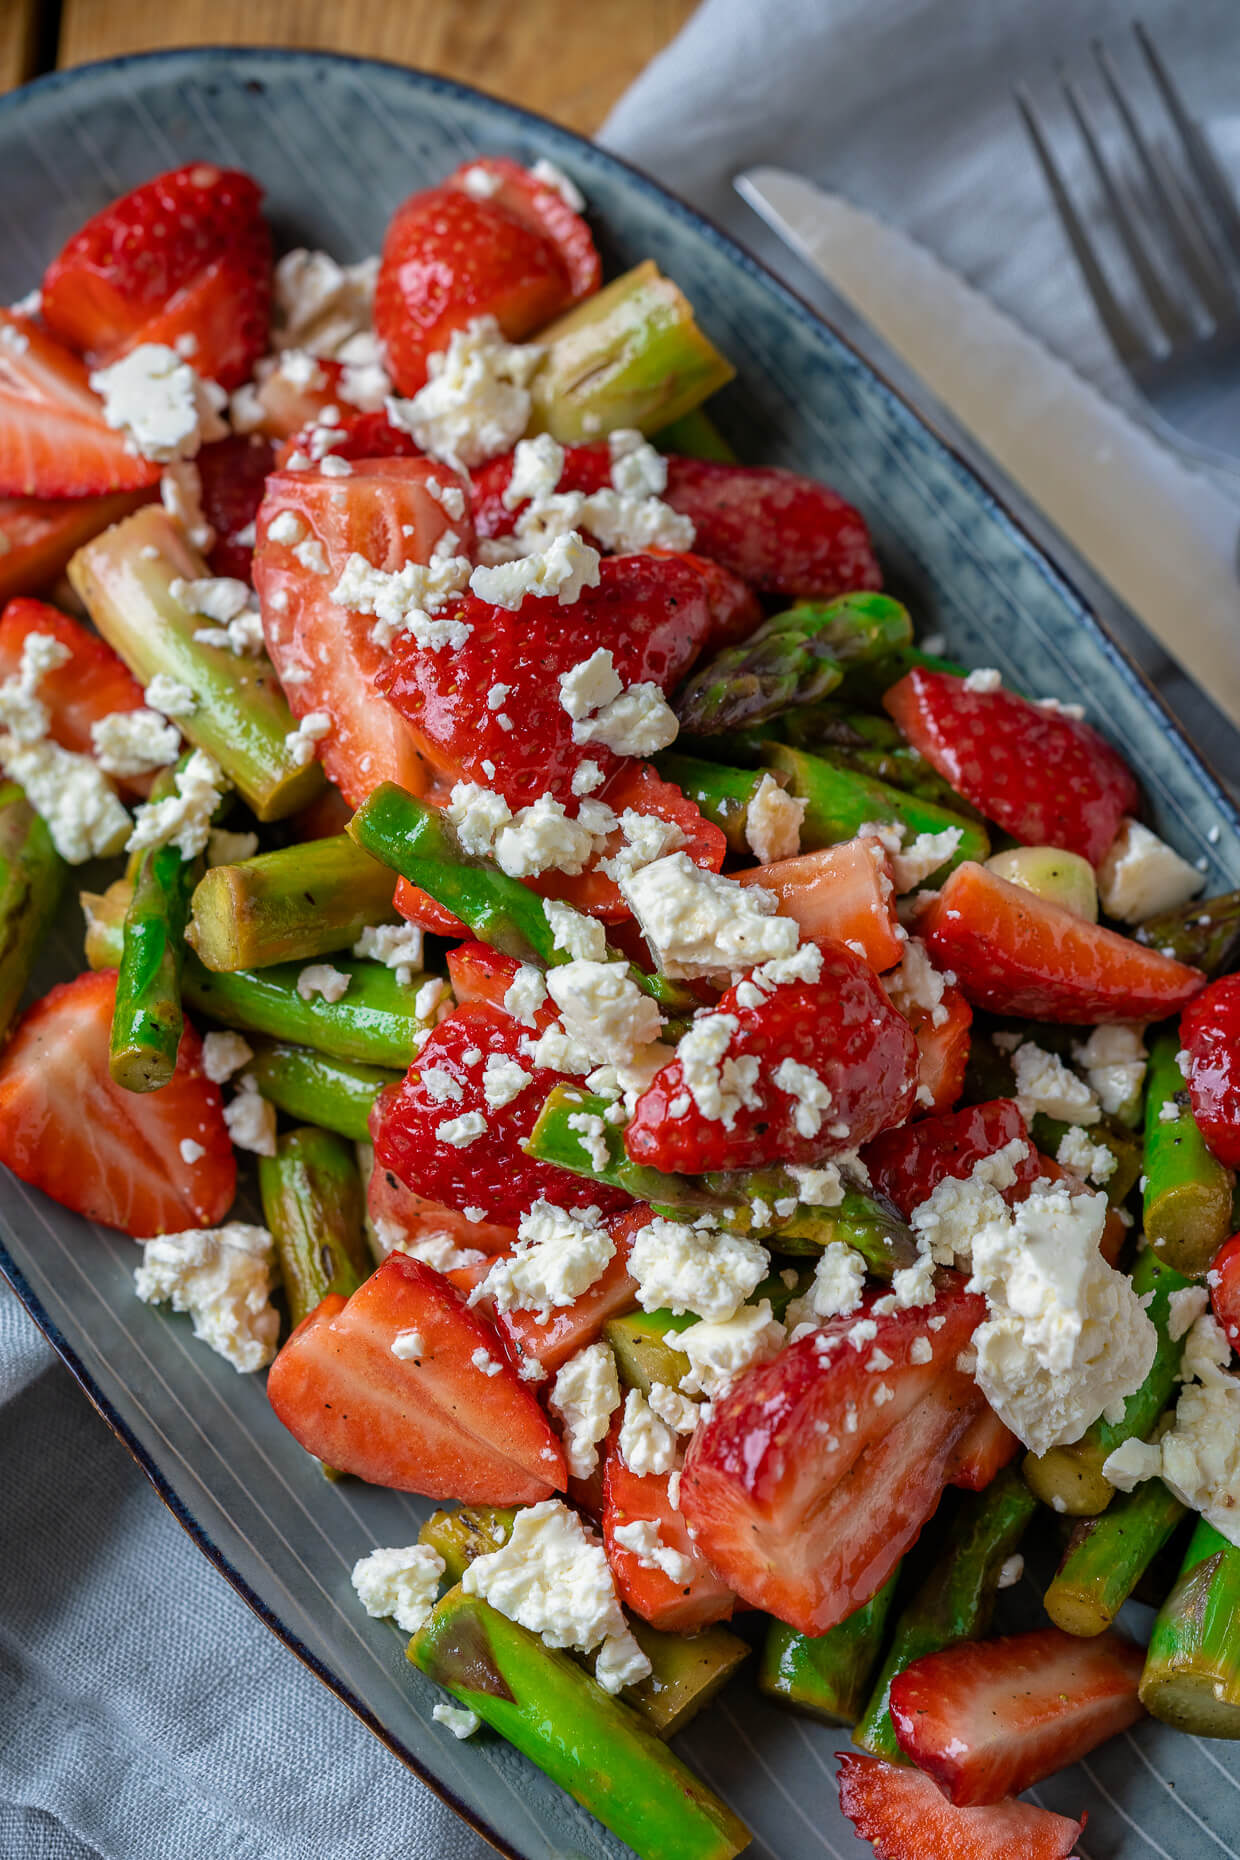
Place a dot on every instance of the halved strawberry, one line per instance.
(38, 535)
(907, 1164)
(1223, 1280)
(570, 1328)
(943, 1041)
(1210, 1035)
(983, 1452)
(653, 613)
(354, 436)
(835, 1064)
(810, 1536)
(906, 1817)
(1016, 953)
(678, 1603)
(1046, 779)
(53, 441)
(988, 1718)
(636, 787)
(479, 973)
(186, 254)
(489, 1170)
(90, 684)
(544, 207)
(780, 532)
(586, 469)
(233, 473)
(112, 1155)
(844, 893)
(418, 907)
(324, 653)
(453, 1421)
(390, 1201)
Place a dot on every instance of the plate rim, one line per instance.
(734, 251)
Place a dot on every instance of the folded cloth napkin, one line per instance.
(144, 1711)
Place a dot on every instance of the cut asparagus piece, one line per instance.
(377, 1021)
(289, 906)
(724, 795)
(839, 801)
(1070, 1478)
(32, 876)
(827, 1675)
(147, 1021)
(631, 355)
(1107, 1556)
(796, 657)
(124, 578)
(335, 1094)
(465, 1532)
(1049, 1132)
(957, 1599)
(695, 436)
(1204, 933)
(592, 1745)
(1187, 1190)
(850, 738)
(1192, 1666)
(863, 1219)
(312, 1204)
(1051, 873)
(643, 1355)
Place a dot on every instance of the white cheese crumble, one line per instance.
(407, 1345)
(502, 1081)
(718, 1085)
(191, 1152)
(221, 1276)
(812, 1098)
(1044, 1083)
(838, 1283)
(225, 848)
(180, 493)
(718, 1353)
(558, 1255)
(456, 1718)
(320, 978)
(396, 946)
(547, 172)
(562, 570)
(702, 924)
(433, 1249)
(679, 1268)
(647, 1445)
(638, 469)
(461, 1131)
(320, 306)
(476, 401)
(582, 938)
(400, 1584)
(1198, 1458)
(223, 1054)
(251, 1120)
(584, 1396)
(773, 822)
(72, 796)
(553, 1578)
(525, 994)
(1114, 1062)
(1093, 1162)
(679, 1413)
(985, 678)
(1141, 875)
(644, 1539)
(301, 742)
(923, 856)
(604, 1010)
(537, 465)
(182, 819)
(946, 1222)
(647, 837)
(916, 987)
(408, 599)
(170, 697)
(163, 406)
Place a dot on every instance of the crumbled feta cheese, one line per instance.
(638, 469)
(225, 848)
(286, 527)
(300, 743)
(644, 1539)
(461, 1131)
(439, 1085)
(251, 1120)
(221, 1276)
(183, 819)
(479, 183)
(812, 1097)
(476, 402)
(647, 837)
(1198, 1458)
(320, 978)
(985, 678)
(1114, 1062)
(433, 1249)
(1184, 1308)
(525, 994)
(321, 306)
(773, 822)
(180, 493)
(679, 1413)
(1045, 1084)
(558, 1255)
(71, 793)
(1066, 1335)
(502, 1081)
(478, 814)
(223, 1054)
(818, 1188)
(170, 697)
(408, 599)
(914, 865)
(719, 1086)
(552, 1577)
(604, 1010)
(582, 938)
(702, 924)
(542, 838)
(408, 1345)
(647, 1445)
(590, 684)
(164, 408)
(563, 569)
(396, 946)
(23, 715)
(638, 721)
(401, 1584)
(553, 177)
(591, 1133)
(718, 1353)
(584, 1396)
(1093, 1162)
(1011, 1571)
(916, 987)
(456, 1718)
(536, 468)
(1141, 875)
(677, 1268)
(946, 1222)
(839, 1281)
(191, 1152)
(485, 1363)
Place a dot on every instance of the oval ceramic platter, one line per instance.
(337, 144)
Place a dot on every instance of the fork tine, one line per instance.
(1183, 224)
(1170, 315)
(1201, 157)
(1130, 345)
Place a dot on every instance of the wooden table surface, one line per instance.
(569, 59)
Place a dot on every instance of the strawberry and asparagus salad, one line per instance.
(744, 1109)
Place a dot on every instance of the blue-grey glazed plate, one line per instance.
(337, 144)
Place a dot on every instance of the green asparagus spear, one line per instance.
(865, 682)
(124, 577)
(1187, 1190)
(589, 1743)
(695, 436)
(1192, 1665)
(289, 906)
(956, 1600)
(851, 738)
(147, 1021)
(827, 1675)
(724, 795)
(631, 355)
(1070, 1479)
(32, 874)
(1205, 933)
(840, 801)
(795, 657)
(465, 1532)
(312, 1204)
(1107, 1556)
(335, 1094)
(377, 1021)
(643, 1355)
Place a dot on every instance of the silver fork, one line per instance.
(1176, 328)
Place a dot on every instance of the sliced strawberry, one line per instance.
(983, 1452)
(188, 254)
(479, 973)
(418, 907)
(907, 1818)
(781, 533)
(811, 1536)
(841, 1027)
(989, 1718)
(53, 441)
(1015, 953)
(908, 1164)
(453, 1421)
(449, 259)
(636, 787)
(324, 654)
(943, 1041)
(388, 1200)
(112, 1155)
(544, 207)
(1210, 1034)
(491, 1171)
(39, 535)
(843, 893)
(1046, 779)
(288, 403)
(586, 469)
(354, 436)
(233, 473)
(570, 1328)
(682, 1603)
(1223, 1280)
(91, 684)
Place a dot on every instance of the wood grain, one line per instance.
(568, 59)
(17, 41)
